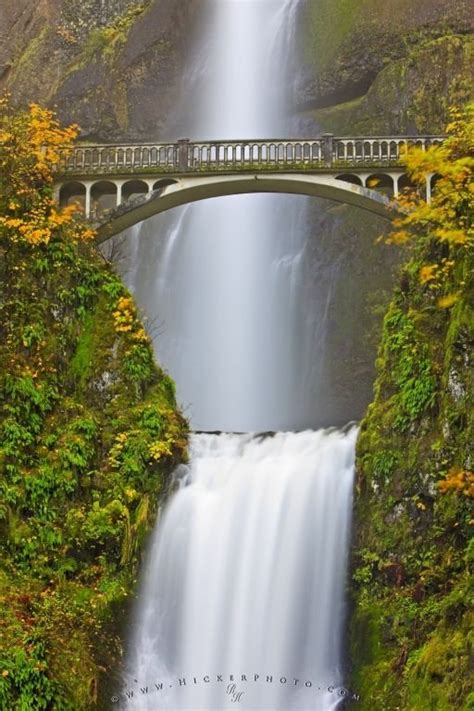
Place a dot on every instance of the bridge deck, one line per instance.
(184, 157)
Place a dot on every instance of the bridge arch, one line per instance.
(193, 189)
(349, 178)
(73, 192)
(134, 188)
(382, 182)
(103, 196)
(163, 183)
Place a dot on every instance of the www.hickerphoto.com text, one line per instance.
(156, 686)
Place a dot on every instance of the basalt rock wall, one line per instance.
(112, 67)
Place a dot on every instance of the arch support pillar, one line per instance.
(87, 208)
(119, 184)
(396, 191)
(428, 187)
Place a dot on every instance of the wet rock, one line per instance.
(455, 385)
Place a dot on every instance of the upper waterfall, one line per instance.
(223, 280)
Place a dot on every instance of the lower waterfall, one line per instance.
(242, 601)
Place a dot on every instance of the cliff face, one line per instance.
(410, 95)
(352, 45)
(377, 68)
(412, 620)
(113, 68)
(372, 68)
(89, 433)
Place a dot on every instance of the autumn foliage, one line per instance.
(30, 144)
(458, 480)
(445, 222)
(89, 434)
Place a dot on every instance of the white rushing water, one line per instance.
(245, 578)
(245, 573)
(222, 279)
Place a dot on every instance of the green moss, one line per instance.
(415, 91)
(412, 627)
(329, 23)
(412, 376)
(82, 359)
(107, 41)
(368, 648)
(89, 434)
(339, 119)
(434, 674)
(27, 59)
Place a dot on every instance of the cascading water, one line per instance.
(228, 294)
(244, 577)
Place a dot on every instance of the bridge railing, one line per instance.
(195, 156)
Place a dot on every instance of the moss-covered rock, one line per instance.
(412, 622)
(411, 95)
(111, 67)
(349, 42)
(89, 433)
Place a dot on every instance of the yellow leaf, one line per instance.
(445, 302)
(428, 273)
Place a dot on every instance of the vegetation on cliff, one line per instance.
(89, 433)
(381, 68)
(412, 629)
(349, 42)
(411, 94)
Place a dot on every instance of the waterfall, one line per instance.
(245, 577)
(241, 603)
(229, 293)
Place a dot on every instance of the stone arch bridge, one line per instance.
(120, 185)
